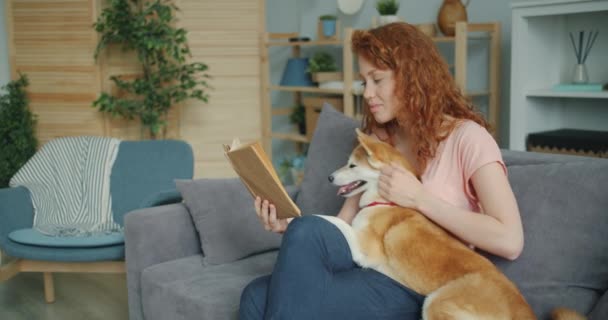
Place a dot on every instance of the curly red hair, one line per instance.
(424, 86)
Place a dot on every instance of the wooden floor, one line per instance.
(77, 296)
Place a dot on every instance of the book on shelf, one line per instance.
(255, 170)
(580, 87)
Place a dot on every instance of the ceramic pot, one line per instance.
(388, 19)
(451, 11)
(329, 27)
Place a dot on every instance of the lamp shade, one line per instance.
(295, 73)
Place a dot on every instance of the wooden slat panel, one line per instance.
(64, 82)
(53, 42)
(209, 169)
(224, 35)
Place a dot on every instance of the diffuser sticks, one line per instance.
(588, 39)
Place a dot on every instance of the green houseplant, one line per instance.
(322, 67)
(388, 11)
(17, 129)
(387, 7)
(298, 117)
(148, 29)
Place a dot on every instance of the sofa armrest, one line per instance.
(161, 198)
(155, 235)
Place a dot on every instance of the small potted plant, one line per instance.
(388, 11)
(322, 67)
(298, 117)
(328, 25)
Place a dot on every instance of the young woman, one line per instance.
(414, 104)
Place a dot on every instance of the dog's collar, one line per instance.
(378, 203)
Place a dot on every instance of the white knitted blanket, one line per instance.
(69, 182)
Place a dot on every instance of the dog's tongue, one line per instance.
(347, 188)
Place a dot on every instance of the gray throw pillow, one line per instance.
(332, 142)
(600, 311)
(564, 212)
(224, 216)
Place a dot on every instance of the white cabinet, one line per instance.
(542, 56)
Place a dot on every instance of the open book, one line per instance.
(257, 173)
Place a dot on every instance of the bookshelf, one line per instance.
(542, 57)
(465, 32)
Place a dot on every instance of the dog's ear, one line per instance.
(373, 148)
(366, 141)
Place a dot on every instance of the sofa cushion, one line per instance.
(600, 311)
(564, 214)
(33, 237)
(225, 218)
(189, 289)
(333, 140)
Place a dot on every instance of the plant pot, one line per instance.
(326, 76)
(388, 19)
(302, 127)
(329, 27)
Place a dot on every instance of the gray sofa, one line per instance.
(177, 270)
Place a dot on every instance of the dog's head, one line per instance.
(362, 170)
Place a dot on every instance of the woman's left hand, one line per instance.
(399, 186)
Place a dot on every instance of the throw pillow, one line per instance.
(224, 216)
(563, 208)
(333, 140)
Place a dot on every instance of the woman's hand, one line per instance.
(267, 213)
(399, 186)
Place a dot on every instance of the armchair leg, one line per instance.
(49, 288)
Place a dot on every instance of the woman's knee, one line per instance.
(304, 229)
(253, 299)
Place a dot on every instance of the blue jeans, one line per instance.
(315, 278)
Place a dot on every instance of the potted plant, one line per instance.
(388, 11)
(328, 24)
(17, 129)
(322, 67)
(166, 79)
(298, 117)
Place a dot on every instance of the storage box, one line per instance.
(313, 107)
(570, 141)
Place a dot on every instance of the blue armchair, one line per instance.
(142, 176)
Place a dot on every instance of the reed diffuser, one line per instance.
(582, 47)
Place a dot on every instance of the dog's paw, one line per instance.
(360, 259)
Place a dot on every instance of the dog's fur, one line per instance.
(406, 246)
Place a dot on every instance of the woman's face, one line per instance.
(379, 91)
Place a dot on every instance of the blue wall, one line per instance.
(301, 16)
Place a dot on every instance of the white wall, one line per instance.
(4, 65)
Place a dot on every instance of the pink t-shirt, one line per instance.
(448, 175)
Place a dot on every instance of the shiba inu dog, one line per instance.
(406, 246)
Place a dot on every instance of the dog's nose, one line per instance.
(331, 178)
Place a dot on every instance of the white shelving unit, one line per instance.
(464, 33)
(542, 56)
